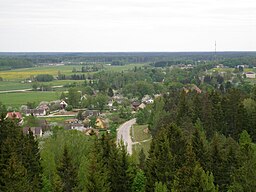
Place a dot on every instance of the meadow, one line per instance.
(15, 100)
(13, 81)
(22, 74)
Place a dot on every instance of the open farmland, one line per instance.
(21, 74)
(17, 99)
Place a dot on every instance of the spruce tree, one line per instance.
(67, 172)
(97, 179)
(15, 176)
(31, 159)
(142, 159)
(139, 182)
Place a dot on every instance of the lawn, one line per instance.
(138, 133)
(17, 99)
(56, 119)
(137, 148)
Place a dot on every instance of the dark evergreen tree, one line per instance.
(31, 159)
(15, 176)
(67, 172)
(139, 182)
(110, 92)
(142, 159)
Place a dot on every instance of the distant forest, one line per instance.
(24, 60)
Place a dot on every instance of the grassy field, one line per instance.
(56, 119)
(17, 85)
(13, 78)
(144, 139)
(21, 74)
(13, 85)
(17, 99)
(138, 133)
(137, 148)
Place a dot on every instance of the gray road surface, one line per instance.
(123, 133)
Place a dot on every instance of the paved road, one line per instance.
(24, 90)
(123, 133)
(14, 91)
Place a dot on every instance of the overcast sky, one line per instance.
(127, 25)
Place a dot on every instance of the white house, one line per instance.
(250, 75)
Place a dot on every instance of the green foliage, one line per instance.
(110, 92)
(142, 116)
(19, 159)
(44, 77)
(67, 172)
(138, 184)
(52, 153)
(73, 97)
(160, 187)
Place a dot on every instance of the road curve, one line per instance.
(123, 133)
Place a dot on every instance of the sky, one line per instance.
(127, 25)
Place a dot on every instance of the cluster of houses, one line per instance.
(84, 123)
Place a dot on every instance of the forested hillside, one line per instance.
(201, 142)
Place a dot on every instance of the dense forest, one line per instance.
(23, 60)
(201, 142)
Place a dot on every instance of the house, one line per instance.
(135, 105)
(63, 104)
(90, 132)
(15, 115)
(196, 89)
(35, 112)
(147, 99)
(90, 113)
(77, 126)
(37, 131)
(44, 106)
(142, 106)
(100, 124)
(71, 121)
(250, 75)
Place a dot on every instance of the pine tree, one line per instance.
(244, 177)
(110, 92)
(67, 172)
(97, 179)
(142, 159)
(160, 187)
(31, 159)
(139, 182)
(200, 145)
(166, 156)
(15, 176)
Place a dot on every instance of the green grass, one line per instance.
(123, 67)
(21, 74)
(137, 148)
(13, 85)
(17, 85)
(17, 99)
(55, 119)
(138, 134)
